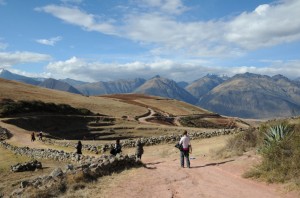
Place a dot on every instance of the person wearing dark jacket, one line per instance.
(79, 148)
(32, 137)
(139, 149)
(117, 148)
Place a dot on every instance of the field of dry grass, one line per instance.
(10, 180)
(164, 105)
(19, 91)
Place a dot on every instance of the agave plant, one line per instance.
(277, 133)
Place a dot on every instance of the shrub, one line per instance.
(239, 143)
(280, 155)
(10, 107)
(276, 134)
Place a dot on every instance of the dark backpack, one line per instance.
(179, 146)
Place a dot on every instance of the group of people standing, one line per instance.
(117, 148)
(185, 142)
(139, 148)
(40, 135)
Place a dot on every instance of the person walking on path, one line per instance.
(32, 137)
(79, 147)
(40, 135)
(186, 149)
(139, 149)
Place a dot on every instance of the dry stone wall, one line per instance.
(147, 141)
(98, 167)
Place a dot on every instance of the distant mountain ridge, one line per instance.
(112, 87)
(203, 85)
(158, 86)
(51, 83)
(245, 95)
(11, 76)
(254, 96)
(47, 83)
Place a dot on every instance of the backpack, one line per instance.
(179, 146)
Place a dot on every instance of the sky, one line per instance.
(184, 40)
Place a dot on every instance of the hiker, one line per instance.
(117, 148)
(40, 135)
(32, 137)
(139, 149)
(79, 147)
(186, 149)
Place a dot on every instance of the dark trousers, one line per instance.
(186, 155)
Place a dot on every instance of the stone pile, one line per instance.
(4, 134)
(27, 166)
(104, 165)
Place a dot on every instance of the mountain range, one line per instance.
(243, 95)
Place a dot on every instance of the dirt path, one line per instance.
(22, 137)
(163, 177)
(144, 119)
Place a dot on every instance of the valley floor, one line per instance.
(163, 177)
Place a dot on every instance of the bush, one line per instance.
(239, 143)
(10, 107)
(280, 155)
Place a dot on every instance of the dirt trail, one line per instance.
(144, 119)
(22, 137)
(164, 178)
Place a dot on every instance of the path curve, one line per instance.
(144, 119)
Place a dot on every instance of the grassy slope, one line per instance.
(20, 91)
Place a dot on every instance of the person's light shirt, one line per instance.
(185, 141)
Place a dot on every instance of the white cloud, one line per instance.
(8, 59)
(52, 41)
(75, 16)
(84, 70)
(267, 25)
(30, 74)
(97, 71)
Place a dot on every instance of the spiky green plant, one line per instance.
(276, 134)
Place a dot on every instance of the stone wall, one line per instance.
(87, 165)
(146, 141)
(98, 167)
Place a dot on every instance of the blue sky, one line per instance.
(104, 40)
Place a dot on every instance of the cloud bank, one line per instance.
(267, 25)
